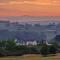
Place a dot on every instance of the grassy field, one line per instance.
(31, 57)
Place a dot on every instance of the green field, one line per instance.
(30, 57)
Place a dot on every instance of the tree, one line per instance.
(53, 48)
(44, 50)
(10, 45)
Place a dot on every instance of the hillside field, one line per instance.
(31, 57)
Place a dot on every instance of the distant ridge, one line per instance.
(30, 18)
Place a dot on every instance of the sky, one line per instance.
(30, 7)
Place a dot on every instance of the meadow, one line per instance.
(31, 57)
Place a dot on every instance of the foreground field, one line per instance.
(31, 57)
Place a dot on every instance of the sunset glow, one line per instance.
(30, 7)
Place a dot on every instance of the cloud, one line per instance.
(14, 0)
(4, 1)
(29, 7)
(34, 3)
(7, 10)
(7, 2)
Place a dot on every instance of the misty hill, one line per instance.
(29, 28)
(31, 19)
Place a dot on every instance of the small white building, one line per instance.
(31, 43)
(26, 42)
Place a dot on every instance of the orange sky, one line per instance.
(30, 7)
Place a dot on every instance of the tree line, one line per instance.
(9, 48)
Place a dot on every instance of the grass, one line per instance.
(31, 57)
